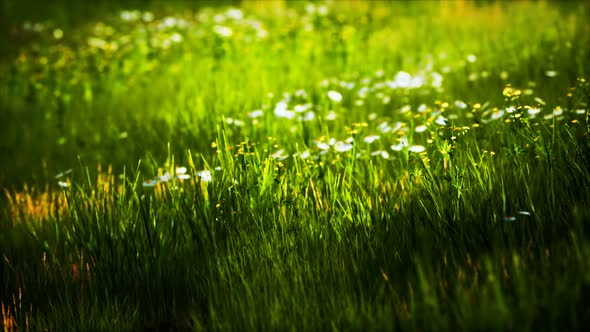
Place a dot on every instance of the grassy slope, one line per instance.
(415, 241)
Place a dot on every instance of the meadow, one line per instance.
(294, 166)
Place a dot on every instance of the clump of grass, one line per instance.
(380, 177)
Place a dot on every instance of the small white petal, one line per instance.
(335, 96)
(417, 148)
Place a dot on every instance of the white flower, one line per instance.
(417, 148)
(304, 155)
(129, 16)
(148, 17)
(460, 104)
(64, 173)
(223, 31)
(164, 178)
(335, 96)
(371, 139)
(281, 110)
(384, 127)
(533, 111)
(497, 114)
(62, 184)
(308, 116)
(342, 146)
(402, 80)
(279, 155)
(381, 153)
(150, 183)
(322, 145)
(551, 73)
(234, 13)
(255, 114)
(331, 115)
(180, 170)
(396, 126)
(436, 79)
(420, 129)
(403, 142)
(441, 120)
(205, 175)
(176, 37)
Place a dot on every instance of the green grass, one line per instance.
(158, 173)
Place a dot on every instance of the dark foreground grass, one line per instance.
(340, 166)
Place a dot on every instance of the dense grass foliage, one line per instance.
(295, 166)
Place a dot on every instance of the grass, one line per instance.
(295, 166)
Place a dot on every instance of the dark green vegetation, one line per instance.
(272, 166)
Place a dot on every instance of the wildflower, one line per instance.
(223, 31)
(497, 114)
(176, 37)
(148, 17)
(62, 184)
(164, 178)
(183, 177)
(205, 175)
(308, 116)
(304, 155)
(180, 170)
(401, 80)
(384, 127)
(58, 33)
(551, 73)
(524, 213)
(150, 183)
(322, 146)
(471, 58)
(533, 111)
(335, 96)
(331, 115)
(460, 104)
(396, 126)
(64, 173)
(420, 129)
(403, 142)
(417, 148)
(371, 139)
(441, 120)
(509, 218)
(234, 14)
(342, 146)
(382, 153)
(255, 114)
(129, 16)
(279, 155)
(436, 80)
(300, 108)
(281, 111)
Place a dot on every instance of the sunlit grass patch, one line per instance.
(278, 165)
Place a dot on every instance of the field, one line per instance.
(294, 166)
